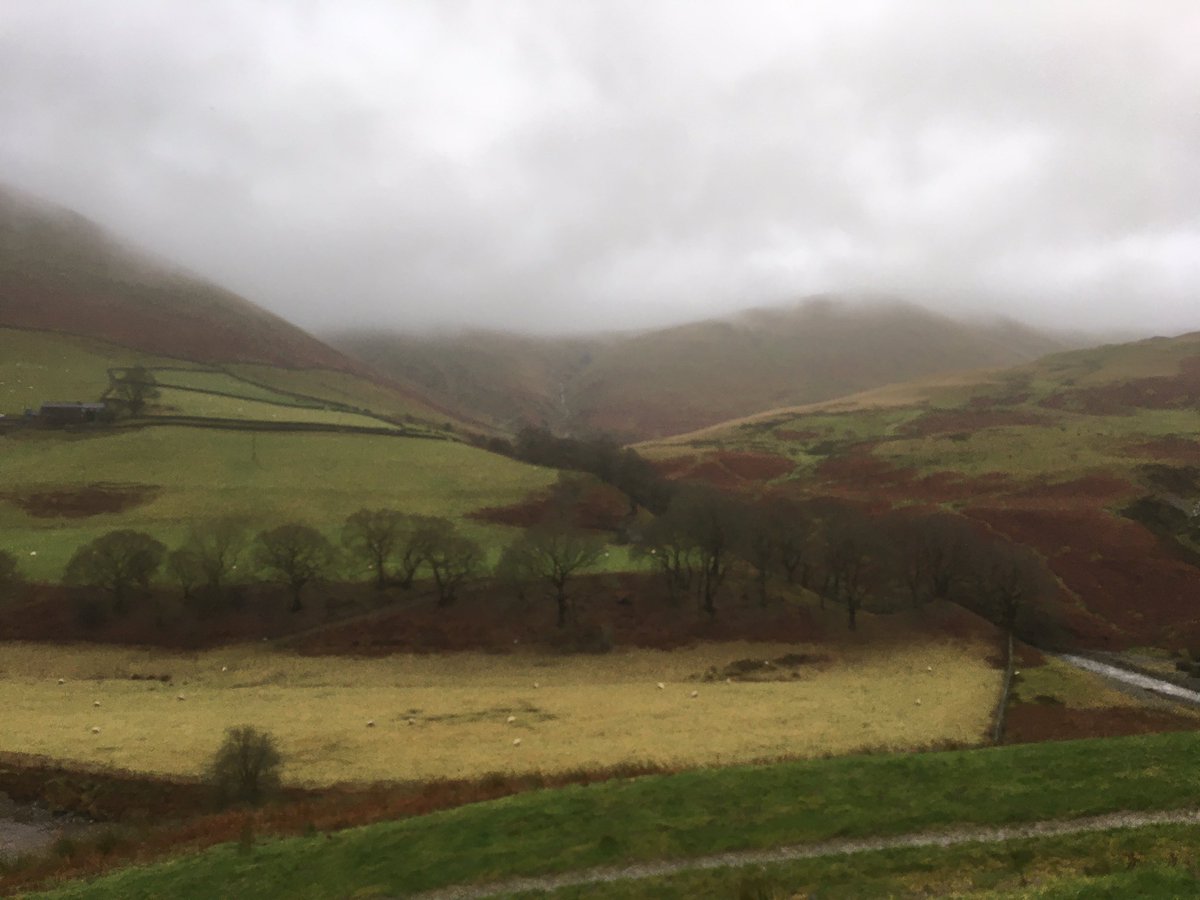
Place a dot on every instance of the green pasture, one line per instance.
(702, 812)
(1148, 862)
(172, 401)
(217, 381)
(38, 367)
(266, 478)
(340, 388)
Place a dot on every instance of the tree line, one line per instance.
(704, 545)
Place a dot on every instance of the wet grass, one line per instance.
(689, 814)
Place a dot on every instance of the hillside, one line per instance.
(75, 301)
(656, 383)
(1090, 457)
(62, 272)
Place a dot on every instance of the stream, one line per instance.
(1157, 685)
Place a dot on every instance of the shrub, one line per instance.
(246, 767)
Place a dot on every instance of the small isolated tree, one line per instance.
(133, 388)
(552, 552)
(452, 558)
(117, 562)
(246, 767)
(375, 535)
(298, 554)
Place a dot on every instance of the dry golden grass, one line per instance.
(585, 710)
(909, 393)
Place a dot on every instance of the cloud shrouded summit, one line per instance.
(568, 166)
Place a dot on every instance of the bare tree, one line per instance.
(1006, 578)
(554, 553)
(10, 575)
(245, 769)
(117, 563)
(854, 557)
(299, 554)
(666, 543)
(184, 567)
(375, 535)
(452, 557)
(217, 546)
(710, 522)
(793, 532)
(931, 553)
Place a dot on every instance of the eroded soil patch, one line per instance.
(81, 503)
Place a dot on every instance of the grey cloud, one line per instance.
(565, 166)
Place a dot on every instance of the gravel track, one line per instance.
(846, 847)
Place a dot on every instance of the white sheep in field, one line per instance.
(95, 729)
(695, 694)
(661, 686)
(180, 697)
(96, 703)
(918, 701)
(516, 742)
(370, 723)
(62, 681)
(511, 719)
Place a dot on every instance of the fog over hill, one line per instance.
(549, 167)
(653, 383)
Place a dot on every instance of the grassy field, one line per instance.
(708, 811)
(570, 711)
(1150, 862)
(195, 474)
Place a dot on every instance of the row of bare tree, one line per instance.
(839, 552)
(704, 542)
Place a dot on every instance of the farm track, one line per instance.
(844, 847)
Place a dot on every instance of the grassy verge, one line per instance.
(1149, 862)
(689, 814)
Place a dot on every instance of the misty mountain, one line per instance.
(656, 383)
(61, 272)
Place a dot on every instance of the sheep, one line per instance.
(695, 694)
(516, 742)
(412, 721)
(370, 723)
(511, 719)
(536, 685)
(95, 729)
(180, 697)
(929, 668)
(62, 681)
(96, 703)
(224, 668)
(661, 686)
(918, 701)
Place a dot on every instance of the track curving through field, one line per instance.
(843, 847)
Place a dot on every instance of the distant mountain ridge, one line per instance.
(652, 384)
(62, 272)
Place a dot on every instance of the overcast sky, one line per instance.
(571, 165)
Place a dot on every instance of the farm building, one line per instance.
(73, 413)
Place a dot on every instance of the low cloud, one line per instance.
(547, 166)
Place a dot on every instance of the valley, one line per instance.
(775, 580)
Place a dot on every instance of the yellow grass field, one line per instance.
(568, 711)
